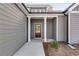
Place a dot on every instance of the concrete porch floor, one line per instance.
(34, 48)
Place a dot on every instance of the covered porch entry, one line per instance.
(42, 29)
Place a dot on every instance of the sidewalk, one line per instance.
(31, 49)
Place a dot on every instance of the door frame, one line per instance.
(41, 31)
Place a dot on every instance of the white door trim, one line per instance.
(41, 31)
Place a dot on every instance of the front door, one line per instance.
(37, 31)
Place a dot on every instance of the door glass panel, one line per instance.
(37, 30)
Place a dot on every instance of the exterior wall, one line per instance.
(74, 28)
(33, 21)
(76, 8)
(12, 29)
(51, 29)
(54, 25)
(62, 28)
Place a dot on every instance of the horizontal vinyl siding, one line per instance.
(62, 28)
(12, 29)
(74, 28)
(51, 28)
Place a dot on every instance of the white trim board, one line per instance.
(73, 6)
(74, 12)
(44, 15)
(70, 10)
(72, 47)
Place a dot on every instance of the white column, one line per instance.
(69, 28)
(57, 28)
(45, 23)
(29, 33)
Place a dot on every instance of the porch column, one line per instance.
(57, 28)
(29, 33)
(45, 25)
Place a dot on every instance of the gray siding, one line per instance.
(12, 29)
(51, 28)
(74, 28)
(76, 8)
(54, 27)
(62, 28)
